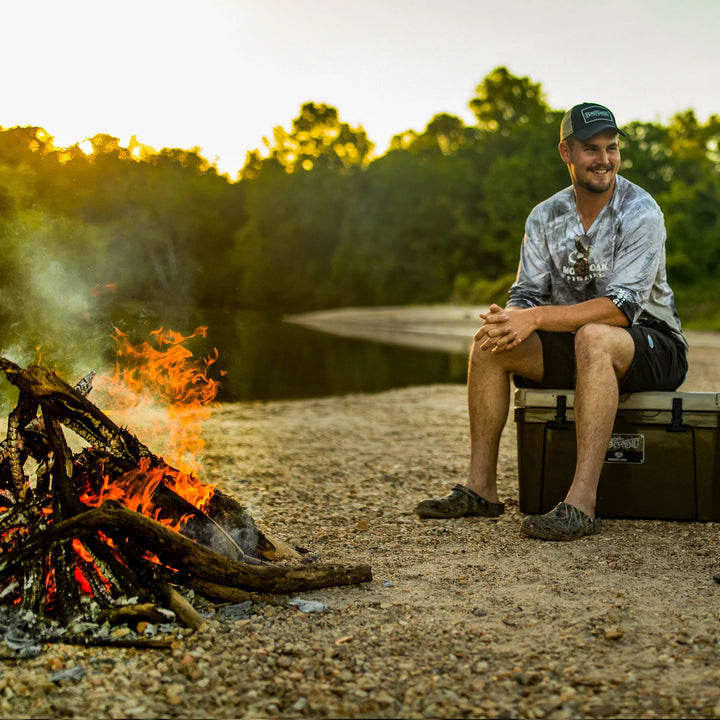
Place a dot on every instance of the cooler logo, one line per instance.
(626, 449)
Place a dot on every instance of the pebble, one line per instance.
(613, 633)
(174, 694)
(300, 704)
(309, 606)
(408, 646)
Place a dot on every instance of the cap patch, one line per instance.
(597, 113)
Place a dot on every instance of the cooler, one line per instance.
(663, 461)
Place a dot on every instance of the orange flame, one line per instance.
(164, 372)
(79, 548)
(135, 490)
(83, 582)
(146, 375)
(167, 373)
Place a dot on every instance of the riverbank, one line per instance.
(450, 328)
(464, 618)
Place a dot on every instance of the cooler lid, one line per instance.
(651, 400)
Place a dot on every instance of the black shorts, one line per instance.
(660, 363)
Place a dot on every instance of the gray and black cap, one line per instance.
(587, 119)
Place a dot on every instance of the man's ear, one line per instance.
(564, 149)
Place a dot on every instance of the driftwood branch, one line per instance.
(74, 410)
(189, 558)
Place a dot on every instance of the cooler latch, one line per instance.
(560, 421)
(676, 423)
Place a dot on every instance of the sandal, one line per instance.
(563, 522)
(459, 503)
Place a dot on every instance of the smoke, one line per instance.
(50, 309)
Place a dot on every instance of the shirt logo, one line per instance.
(621, 297)
(579, 265)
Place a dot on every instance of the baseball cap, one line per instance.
(587, 119)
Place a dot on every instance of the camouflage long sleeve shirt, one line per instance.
(621, 257)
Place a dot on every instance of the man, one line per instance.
(590, 309)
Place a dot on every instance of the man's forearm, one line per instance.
(568, 318)
(504, 329)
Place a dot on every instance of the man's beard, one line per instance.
(588, 185)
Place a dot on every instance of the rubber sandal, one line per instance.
(563, 522)
(461, 502)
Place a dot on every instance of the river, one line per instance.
(265, 358)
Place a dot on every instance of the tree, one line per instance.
(444, 132)
(504, 102)
(646, 157)
(318, 139)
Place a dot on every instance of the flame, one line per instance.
(166, 372)
(83, 582)
(79, 548)
(136, 490)
(80, 573)
(146, 375)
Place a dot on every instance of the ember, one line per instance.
(91, 529)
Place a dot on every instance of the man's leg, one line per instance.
(488, 405)
(603, 355)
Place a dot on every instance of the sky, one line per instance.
(221, 74)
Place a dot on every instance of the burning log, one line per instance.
(74, 543)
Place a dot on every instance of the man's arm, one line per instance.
(503, 329)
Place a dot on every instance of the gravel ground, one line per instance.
(464, 618)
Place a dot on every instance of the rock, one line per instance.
(300, 704)
(309, 606)
(73, 673)
(174, 694)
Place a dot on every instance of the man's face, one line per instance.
(593, 163)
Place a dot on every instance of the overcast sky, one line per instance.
(220, 74)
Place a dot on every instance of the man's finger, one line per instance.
(496, 318)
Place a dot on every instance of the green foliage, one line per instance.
(505, 102)
(481, 292)
(316, 220)
(317, 141)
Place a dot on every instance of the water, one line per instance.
(260, 356)
(267, 359)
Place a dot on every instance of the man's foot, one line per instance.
(563, 522)
(459, 503)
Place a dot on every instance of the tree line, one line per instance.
(316, 220)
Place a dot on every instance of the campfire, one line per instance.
(112, 529)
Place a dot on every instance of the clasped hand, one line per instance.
(503, 329)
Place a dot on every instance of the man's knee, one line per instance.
(525, 359)
(591, 335)
(597, 341)
(481, 358)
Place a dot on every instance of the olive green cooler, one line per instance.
(663, 461)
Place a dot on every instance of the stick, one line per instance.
(184, 555)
